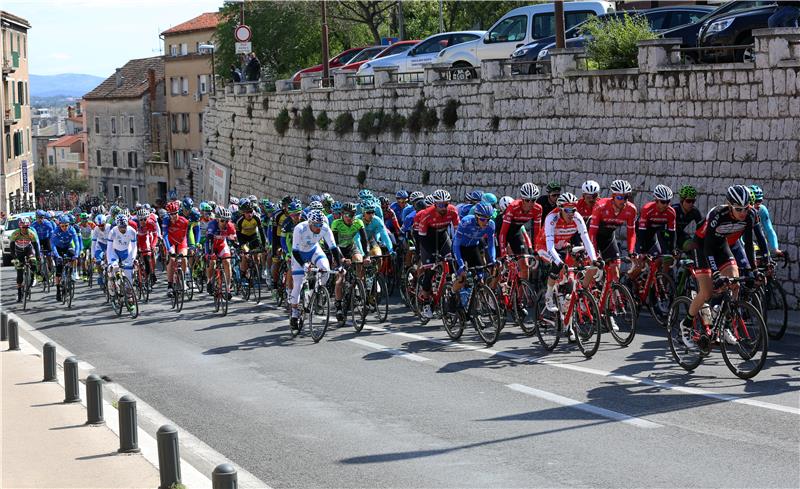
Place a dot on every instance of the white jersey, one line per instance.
(99, 238)
(558, 234)
(120, 241)
(304, 240)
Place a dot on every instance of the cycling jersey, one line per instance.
(653, 224)
(398, 211)
(557, 233)
(720, 232)
(390, 221)
(606, 220)
(376, 231)
(121, 241)
(85, 232)
(217, 238)
(470, 234)
(345, 235)
(406, 211)
(766, 224)
(463, 209)
(682, 221)
(44, 229)
(585, 209)
(546, 205)
(431, 219)
(408, 221)
(23, 242)
(249, 228)
(63, 240)
(513, 231)
(147, 233)
(99, 241)
(175, 232)
(288, 234)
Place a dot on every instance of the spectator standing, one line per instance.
(253, 68)
(236, 74)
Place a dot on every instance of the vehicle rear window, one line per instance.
(13, 224)
(365, 55)
(345, 58)
(544, 25)
(397, 49)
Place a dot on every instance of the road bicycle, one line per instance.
(736, 325)
(280, 293)
(27, 281)
(315, 304)
(122, 294)
(178, 282)
(475, 302)
(516, 296)
(199, 274)
(221, 290)
(67, 283)
(354, 297)
(376, 288)
(773, 304)
(577, 311)
(141, 280)
(251, 287)
(46, 271)
(441, 278)
(617, 306)
(653, 288)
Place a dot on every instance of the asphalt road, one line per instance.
(399, 405)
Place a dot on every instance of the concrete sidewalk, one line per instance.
(45, 443)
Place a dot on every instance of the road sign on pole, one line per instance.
(244, 47)
(242, 33)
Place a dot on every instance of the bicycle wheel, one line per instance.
(89, 273)
(199, 275)
(129, 298)
(547, 324)
(747, 356)
(281, 291)
(116, 298)
(523, 307)
(688, 357)
(319, 313)
(255, 281)
(218, 292)
(379, 299)
(586, 322)
(485, 314)
(405, 295)
(358, 305)
(225, 294)
(418, 304)
(660, 298)
(27, 280)
(620, 314)
(452, 319)
(189, 289)
(69, 292)
(178, 290)
(775, 309)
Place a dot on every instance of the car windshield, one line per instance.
(366, 54)
(12, 224)
(735, 6)
(345, 58)
(397, 49)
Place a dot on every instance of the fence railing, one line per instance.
(717, 54)
(406, 78)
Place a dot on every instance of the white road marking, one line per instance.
(582, 406)
(390, 351)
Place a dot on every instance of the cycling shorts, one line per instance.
(608, 247)
(721, 258)
(472, 255)
(516, 240)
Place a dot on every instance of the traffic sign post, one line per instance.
(244, 47)
(242, 33)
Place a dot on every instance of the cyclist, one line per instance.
(513, 233)
(471, 198)
(295, 213)
(278, 220)
(249, 233)
(306, 250)
(607, 216)
(65, 243)
(548, 201)
(377, 234)
(390, 219)
(186, 207)
(85, 228)
(434, 226)
(474, 234)
(146, 239)
(502, 205)
(766, 221)
(99, 243)
(24, 243)
(219, 232)
(655, 233)
(336, 212)
(44, 227)
(685, 214)
(724, 226)
(400, 203)
(591, 190)
(345, 231)
(174, 229)
(121, 247)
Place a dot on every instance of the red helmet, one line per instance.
(173, 207)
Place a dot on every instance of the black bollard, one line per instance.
(169, 459)
(224, 477)
(49, 356)
(3, 326)
(13, 335)
(71, 392)
(94, 400)
(128, 435)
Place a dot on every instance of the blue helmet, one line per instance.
(121, 220)
(336, 207)
(100, 220)
(475, 196)
(316, 217)
(187, 203)
(295, 207)
(41, 213)
(489, 198)
(483, 209)
(315, 198)
(364, 194)
(63, 219)
(401, 194)
(194, 216)
(368, 206)
(757, 191)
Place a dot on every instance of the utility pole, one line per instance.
(559, 11)
(441, 16)
(401, 25)
(325, 73)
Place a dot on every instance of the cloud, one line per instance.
(60, 56)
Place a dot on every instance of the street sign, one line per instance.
(242, 33)
(25, 176)
(244, 47)
(173, 194)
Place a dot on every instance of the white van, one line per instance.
(517, 28)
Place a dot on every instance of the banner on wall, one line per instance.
(217, 182)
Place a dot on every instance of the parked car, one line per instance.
(360, 59)
(733, 29)
(340, 59)
(660, 19)
(690, 33)
(422, 54)
(11, 225)
(517, 28)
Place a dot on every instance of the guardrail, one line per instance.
(516, 67)
(406, 78)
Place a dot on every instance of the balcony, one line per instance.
(12, 115)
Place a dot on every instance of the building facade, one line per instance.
(16, 161)
(188, 75)
(126, 128)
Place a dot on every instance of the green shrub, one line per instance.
(323, 121)
(361, 177)
(282, 121)
(450, 113)
(343, 123)
(426, 177)
(250, 111)
(612, 44)
(430, 120)
(397, 122)
(373, 123)
(414, 121)
(307, 123)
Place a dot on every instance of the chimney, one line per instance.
(70, 111)
(151, 84)
(119, 77)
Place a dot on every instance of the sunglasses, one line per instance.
(569, 210)
(223, 220)
(621, 197)
(482, 218)
(442, 205)
(369, 212)
(737, 208)
(690, 201)
(662, 201)
(528, 201)
(554, 196)
(172, 213)
(591, 196)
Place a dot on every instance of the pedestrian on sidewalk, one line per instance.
(236, 74)
(253, 68)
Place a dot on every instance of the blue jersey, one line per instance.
(408, 221)
(406, 211)
(463, 210)
(766, 223)
(43, 229)
(469, 233)
(395, 206)
(376, 230)
(65, 239)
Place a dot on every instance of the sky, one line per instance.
(94, 37)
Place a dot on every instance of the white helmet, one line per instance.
(429, 200)
(621, 187)
(223, 213)
(504, 202)
(441, 196)
(566, 199)
(316, 205)
(662, 192)
(529, 191)
(590, 187)
(738, 195)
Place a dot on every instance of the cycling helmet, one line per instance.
(142, 213)
(364, 194)
(93, 210)
(441, 196)
(114, 210)
(242, 202)
(84, 216)
(504, 202)
(187, 203)
(553, 187)
(76, 211)
(621, 187)
(368, 206)
(474, 196)
(349, 208)
(121, 220)
(416, 196)
(687, 192)
(315, 198)
(147, 206)
(662, 192)
(172, 207)
(489, 198)
(51, 214)
(295, 207)
(125, 212)
(567, 200)
(194, 216)
(162, 213)
(223, 213)
(252, 198)
(420, 204)
(758, 192)
(71, 218)
(233, 200)
(482, 209)
(41, 213)
(212, 204)
(233, 208)
(384, 201)
(429, 200)
(337, 207)
(529, 191)
(401, 194)
(316, 217)
(100, 220)
(752, 196)
(286, 200)
(738, 195)
(63, 219)
(590, 187)
(246, 206)
(315, 205)
(205, 207)
(24, 222)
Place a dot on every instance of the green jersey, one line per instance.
(345, 235)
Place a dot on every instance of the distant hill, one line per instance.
(66, 85)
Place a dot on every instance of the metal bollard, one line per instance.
(49, 356)
(169, 459)
(13, 335)
(224, 477)
(128, 435)
(71, 392)
(3, 326)
(94, 400)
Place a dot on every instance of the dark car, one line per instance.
(659, 18)
(735, 29)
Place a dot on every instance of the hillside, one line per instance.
(67, 85)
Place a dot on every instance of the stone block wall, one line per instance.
(710, 126)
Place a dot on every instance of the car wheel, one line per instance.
(746, 55)
(463, 71)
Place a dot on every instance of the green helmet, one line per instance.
(757, 191)
(206, 207)
(83, 216)
(115, 209)
(687, 192)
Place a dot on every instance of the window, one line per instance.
(114, 158)
(459, 38)
(113, 125)
(130, 124)
(8, 146)
(184, 86)
(135, 194)
(173, 50)
(130, 159)
(50, 160)
(135, 159)
(683, 17)
(125, 193)
(510, 29)
(658, 21)
(185, 122)
(202, 83)
(116, 191)
(20, 93)
(97, 125)
(200, 122)
(177, 160)
(175, 86)
(24, 46)
(62, 154)
(184, 49)
(97, 157)
(544, 25)
(174, 122)
(433, 45)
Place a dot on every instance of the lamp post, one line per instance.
(212, 48)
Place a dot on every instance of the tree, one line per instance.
(57, 181)
(373, 14)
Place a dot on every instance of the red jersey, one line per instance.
(175, 230)
(556, 234)
(147, 233)
(584, 209)
(605, 220)
(651, 217)
(431, 219)
(515, 217)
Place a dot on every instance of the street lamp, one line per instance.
(212, 48)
